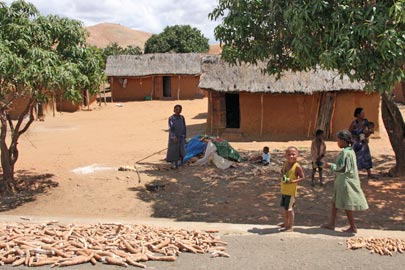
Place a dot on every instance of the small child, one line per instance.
(367, 131)
(292, 174)
(318, 150)
(264, 158)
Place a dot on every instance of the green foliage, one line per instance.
(362, 39)
(42, 55)
(115, 49)
(177, 39)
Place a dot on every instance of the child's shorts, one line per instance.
(317, 165)
(287, 202)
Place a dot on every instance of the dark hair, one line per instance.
(358, 111)
(266, 148)
(345, 135)
(177, 105)
(319, 132)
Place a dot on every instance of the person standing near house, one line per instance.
(177, 138)
(318, 150)
(347, 192)
(359, 129)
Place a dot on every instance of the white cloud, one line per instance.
(145, 15)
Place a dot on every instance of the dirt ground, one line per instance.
(69, 165)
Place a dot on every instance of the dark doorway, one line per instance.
(232, 110)
(167, 91)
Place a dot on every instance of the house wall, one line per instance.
(347, 102)
(186, 87)
(399, 92)
(19, 104)
(286, 116)
(70, 106)
(137, 88)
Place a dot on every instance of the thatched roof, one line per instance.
(154, 64)
(220, 76)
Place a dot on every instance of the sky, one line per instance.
(146, 15)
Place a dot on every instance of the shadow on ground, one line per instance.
(29, 185)
(249, 194)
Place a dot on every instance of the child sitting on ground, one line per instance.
(264, 158)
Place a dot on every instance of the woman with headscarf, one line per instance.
(360, 130)
(347, 192)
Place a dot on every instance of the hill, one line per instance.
(103, 34)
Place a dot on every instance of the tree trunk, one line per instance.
(395, 126)
(8, 183)
(9, 154)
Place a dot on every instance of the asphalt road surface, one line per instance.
(263, 247)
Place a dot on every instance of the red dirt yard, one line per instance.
(69, 164)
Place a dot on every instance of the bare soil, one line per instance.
(68, 167)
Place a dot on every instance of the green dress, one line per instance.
(347, 192)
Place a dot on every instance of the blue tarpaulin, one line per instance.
(194, 147)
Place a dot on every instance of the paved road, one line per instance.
(262, 247)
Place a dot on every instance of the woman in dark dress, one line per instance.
(360, 130)
(177, 138)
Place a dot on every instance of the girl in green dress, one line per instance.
(347, 192)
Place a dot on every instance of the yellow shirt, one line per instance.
(290, 188)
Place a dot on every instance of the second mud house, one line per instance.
(245, 104)
(154, 76)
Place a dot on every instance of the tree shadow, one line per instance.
(201, 116)
(29, 185)
(250, 194)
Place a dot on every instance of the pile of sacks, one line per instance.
(201, 150)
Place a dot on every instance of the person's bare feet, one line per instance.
(327, 226)
(286, 229)
(350, 230)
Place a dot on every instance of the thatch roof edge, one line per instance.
(220, 76)
(153, 64)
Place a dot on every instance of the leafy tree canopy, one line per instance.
(362, 39)
(115, 49)
(41, 56)
(177, 39)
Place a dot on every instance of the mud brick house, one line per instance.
(154, 76)
(245, 104)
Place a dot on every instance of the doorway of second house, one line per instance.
(232, 111)
(167, 89)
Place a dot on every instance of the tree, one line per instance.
(115, 49)
(361, 39)
(177, 39)
(40, 56)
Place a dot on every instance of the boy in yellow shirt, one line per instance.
(292, 174)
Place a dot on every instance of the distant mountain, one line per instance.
(215, 49)
(103, 34)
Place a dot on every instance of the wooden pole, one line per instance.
(111, 89)
(178, 88)
(210, 103)
(262, 115)
(150, 155)
(311, 114)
